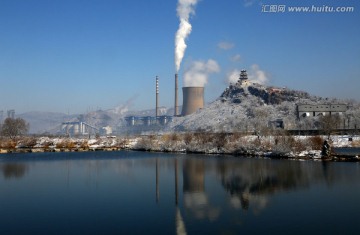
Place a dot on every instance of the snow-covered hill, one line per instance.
(247, 107)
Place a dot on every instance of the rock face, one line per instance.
(268, 95)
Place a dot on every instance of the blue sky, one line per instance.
(69, 56)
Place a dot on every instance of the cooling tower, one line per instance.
(193, 99)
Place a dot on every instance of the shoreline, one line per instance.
(313, 155)
(341, 148)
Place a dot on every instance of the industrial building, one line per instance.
(11, 113)
(313, 110)
(78, 128)
(148, 120)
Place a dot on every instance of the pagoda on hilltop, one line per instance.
(243, 80)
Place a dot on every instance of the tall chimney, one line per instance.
(157, 97)
(176, 113)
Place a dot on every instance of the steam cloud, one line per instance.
(121, 109)
(198, 73)
(184, 9)
(255, 75)
(233, 76)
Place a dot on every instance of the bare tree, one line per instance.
(329, 123)
(260, 120)
(14, 127)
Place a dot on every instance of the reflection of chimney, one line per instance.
(176, 183)
(157, 181)
(157, 97)
(193, 99)
(176, 113)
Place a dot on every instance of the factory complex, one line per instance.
(193, 101)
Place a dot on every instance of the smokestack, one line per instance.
(157, 97)
(193, 99)
(176, 113)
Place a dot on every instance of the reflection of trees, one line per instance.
(251, 179)
(13, 170)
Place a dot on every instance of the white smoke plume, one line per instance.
(184, 9)
(255, 75)
(198, 73)
(122, 109)
(233, 76)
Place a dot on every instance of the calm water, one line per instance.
(146, 193)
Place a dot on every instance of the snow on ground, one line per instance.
(344, 140)
(216, 116)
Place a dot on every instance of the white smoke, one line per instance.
(124, 108)
(255, 75)
(184, 9)
(198, 73)
(233, 76)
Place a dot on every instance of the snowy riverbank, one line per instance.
(274, 146)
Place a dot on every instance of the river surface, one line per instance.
(150, 193)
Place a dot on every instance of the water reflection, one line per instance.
(254, 180)
(173, 194)
(251, 184)
(196, 200)
(13, 170)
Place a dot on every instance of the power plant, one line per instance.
(193, 100)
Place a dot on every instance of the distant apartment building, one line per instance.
(11, 113)
(313, 110)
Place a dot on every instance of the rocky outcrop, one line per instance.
(268, 95)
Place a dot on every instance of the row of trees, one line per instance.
(235, 143)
